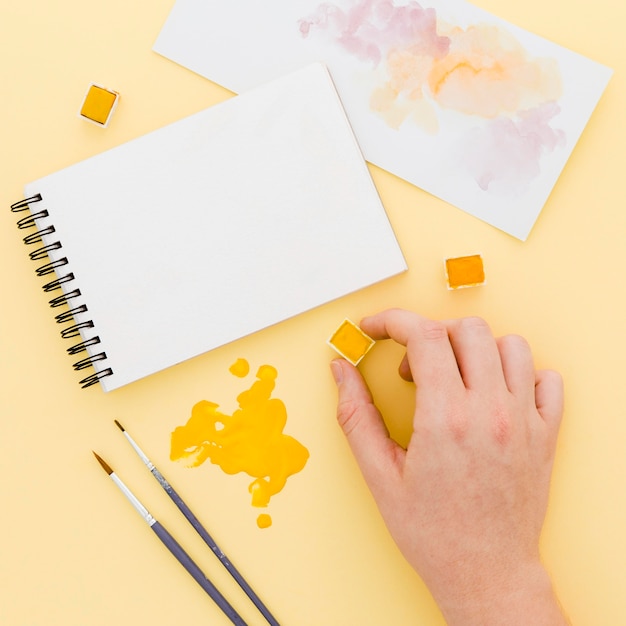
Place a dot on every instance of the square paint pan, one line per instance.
(464, 271)
(99, 105)
(350, 342)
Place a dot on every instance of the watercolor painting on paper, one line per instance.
(456, 101)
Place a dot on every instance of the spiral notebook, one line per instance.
(209, 229)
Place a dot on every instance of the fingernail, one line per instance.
(337, 371)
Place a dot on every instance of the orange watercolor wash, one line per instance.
(251, 440)
(465, 271)
(351, 342)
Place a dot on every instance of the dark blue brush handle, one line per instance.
(195, 522)
(175, 548)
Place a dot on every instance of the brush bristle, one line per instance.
(119, 426)
(104, 464)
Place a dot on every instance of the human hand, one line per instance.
(466, 501)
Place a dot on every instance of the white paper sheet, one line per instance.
(219, 225)
(443, 94)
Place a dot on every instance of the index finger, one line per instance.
(429, 352)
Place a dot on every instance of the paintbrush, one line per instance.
(175, 548)
(193, 520)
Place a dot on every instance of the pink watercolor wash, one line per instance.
(504, 155)
(429, 67)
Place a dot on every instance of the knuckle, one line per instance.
(516, 342)
(433, 330)
(474, 322)
(457, 424)
(348, 415)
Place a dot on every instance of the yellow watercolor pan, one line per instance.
(99, 104)
(464, 271)
(350, 342)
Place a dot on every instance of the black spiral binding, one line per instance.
(51, 267)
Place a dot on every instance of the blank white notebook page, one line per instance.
(219, 225)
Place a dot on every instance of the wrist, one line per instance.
(520, 596)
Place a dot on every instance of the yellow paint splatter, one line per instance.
(264, 520)
(251, 440)
(240, 368)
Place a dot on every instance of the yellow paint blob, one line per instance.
(99, 104)
(240, 368)
(351, 342)
(251, 440)
(264, 520)
(465, 271)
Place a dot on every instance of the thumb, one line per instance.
(378, 456)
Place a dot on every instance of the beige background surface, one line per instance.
(73, 552)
